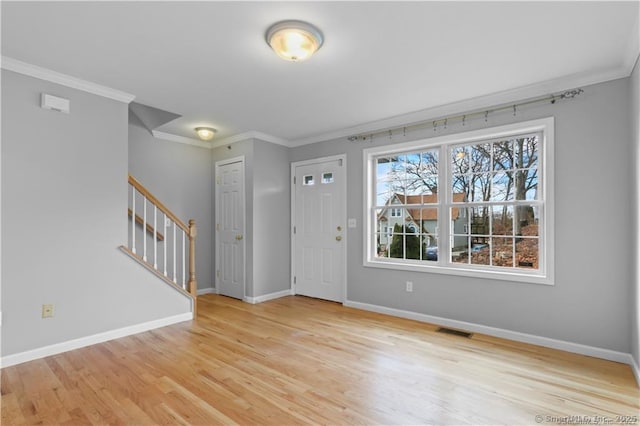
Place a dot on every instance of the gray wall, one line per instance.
(593, 182)
(64, 200)
(181, 177)
(271, 219)
(267, 198)
(634, 83)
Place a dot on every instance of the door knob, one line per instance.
(238, 237)
(338, 238)
(339, 228)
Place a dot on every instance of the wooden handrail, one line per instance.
(144, 191)
(150, 229)
(190, 231)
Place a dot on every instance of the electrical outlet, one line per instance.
(409, 286)
(47, 311)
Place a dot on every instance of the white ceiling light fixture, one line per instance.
(294, 40)
(205, 133)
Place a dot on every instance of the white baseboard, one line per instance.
(270, 296)
(69, 345)
(636, 370)
(577, 348)
(209, 290)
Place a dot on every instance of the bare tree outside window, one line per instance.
(498, 178)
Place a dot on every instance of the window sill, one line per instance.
(462, 270)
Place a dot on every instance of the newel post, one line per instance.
(193, 284)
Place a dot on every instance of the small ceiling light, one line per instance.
(205, 133)
(294, 40)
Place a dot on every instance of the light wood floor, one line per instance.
(298, 360)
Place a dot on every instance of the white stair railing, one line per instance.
(173, 264)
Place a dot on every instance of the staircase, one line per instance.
(161, 242)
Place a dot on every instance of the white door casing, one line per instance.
(230, 228)
(319, 228)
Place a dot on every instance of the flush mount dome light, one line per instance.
(205, 133)
(294, 40)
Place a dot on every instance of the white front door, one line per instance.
(319, 221)
(230, 226)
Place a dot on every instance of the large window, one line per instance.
(478, 203)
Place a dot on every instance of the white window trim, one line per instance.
(545, 273)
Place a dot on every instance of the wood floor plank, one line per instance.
(298, 360)
(11, 412)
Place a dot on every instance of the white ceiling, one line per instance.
(208, 61)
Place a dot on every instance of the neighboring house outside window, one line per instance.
(416, 219)
(488, 191)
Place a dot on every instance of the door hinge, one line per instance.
(218, 273)
(294, 180)
(217, 226)
(294, 229)
(218, 180)
(294, 279)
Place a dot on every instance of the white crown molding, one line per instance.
(476, 103)
(516, 336)
(632, 53)
(253, 134)
(472, 104)
(272, 139)
(19, 358)
(221, 142)
(35, 71)
(181, 139)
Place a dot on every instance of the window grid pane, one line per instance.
(406, 205)
(484, 174)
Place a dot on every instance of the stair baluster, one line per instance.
(184, 281)
(144, 226)
(155, 236)
(174, 254)
(170, 261)
(164, 224)
(133, 221)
